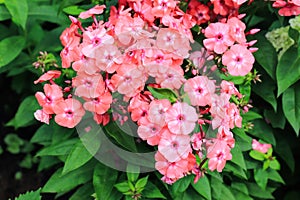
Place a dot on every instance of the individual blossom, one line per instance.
(200, 12)
(173, 78)
(157, 111)
(218, 153)
(236, 30)
(174, 146)
(218, 38)
(68, 113)
(199, 90)
(150, 132)
(96, 10)
(263, 148)
(226, 135)
(41, 116)
(88, 86)
(181, 118)
(70, 53)
(102, 119)
(99, 104)
(49, 75)
(163, 7)
(239, 60)
(287, 8)
(53, 95)
(229, 88)
(197, 140)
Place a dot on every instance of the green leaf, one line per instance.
(47, 13)
(13, 142)
(15, 44)
(266, 90)
(59, 183)
(277, 119)
(257, 155)
(141, 183)
(256, 191)
(203, 187)
(104, 180)
(18, 10)
(123, 187)
(263, 131)
(58, 149)
(181, 185)
(250, 115)
(122, 138)
(227, 193)
(291, 106)
(246, 91)
(274, 164)
(240, 187)
(288, 70)
(4, 13)
(43, 135)
(78, 156)
(163, 93)
(237, 157)
(32, 195)
(240, 195)
(152, 192)
(84, 192)
(283, 149)
(189, 194)
(261, 178)
(275, 176)
(236, 170)
(132, 172)
(46, 162)
(73, 10)
(242, 139)
(266, 50)
(217, 187)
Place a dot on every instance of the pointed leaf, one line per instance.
(19, 11)
(152, 192)
(291, 106)
(104, 180)
(203, 187)
(288, 70)
(237, 157)
(163, 93)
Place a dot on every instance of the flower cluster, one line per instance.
(287, 8)
(147, 44)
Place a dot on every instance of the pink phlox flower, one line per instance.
(128, 29)
(229, 88)
(99, 104)
(163, 7)
(218, 38)
(128, 80)
(226, 135)
(156, 61)
(49, 75)
(199, 58)
(234, 117)
(68, 113)
(96, 10)
(69, 54)
(236, 30)
(108, 58)
(95, 39)
(88, 86)
(102, 119)
(173, 78)
(198, 139)
(181, 118)
(220, 7)
(174, 147)
(144, 9)
(263, 148)
(86, 65)
(70, 35)
(239, 60)
(53, 95)
(41, 116)
(173, 171)
(199, 90)
(157, 111)
(172, 41)
(138, 107)
(200, 12)
(150, 131)
(289, 8)
(218, 109)
(218, 154)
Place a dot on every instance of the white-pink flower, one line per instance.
(181, 118)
